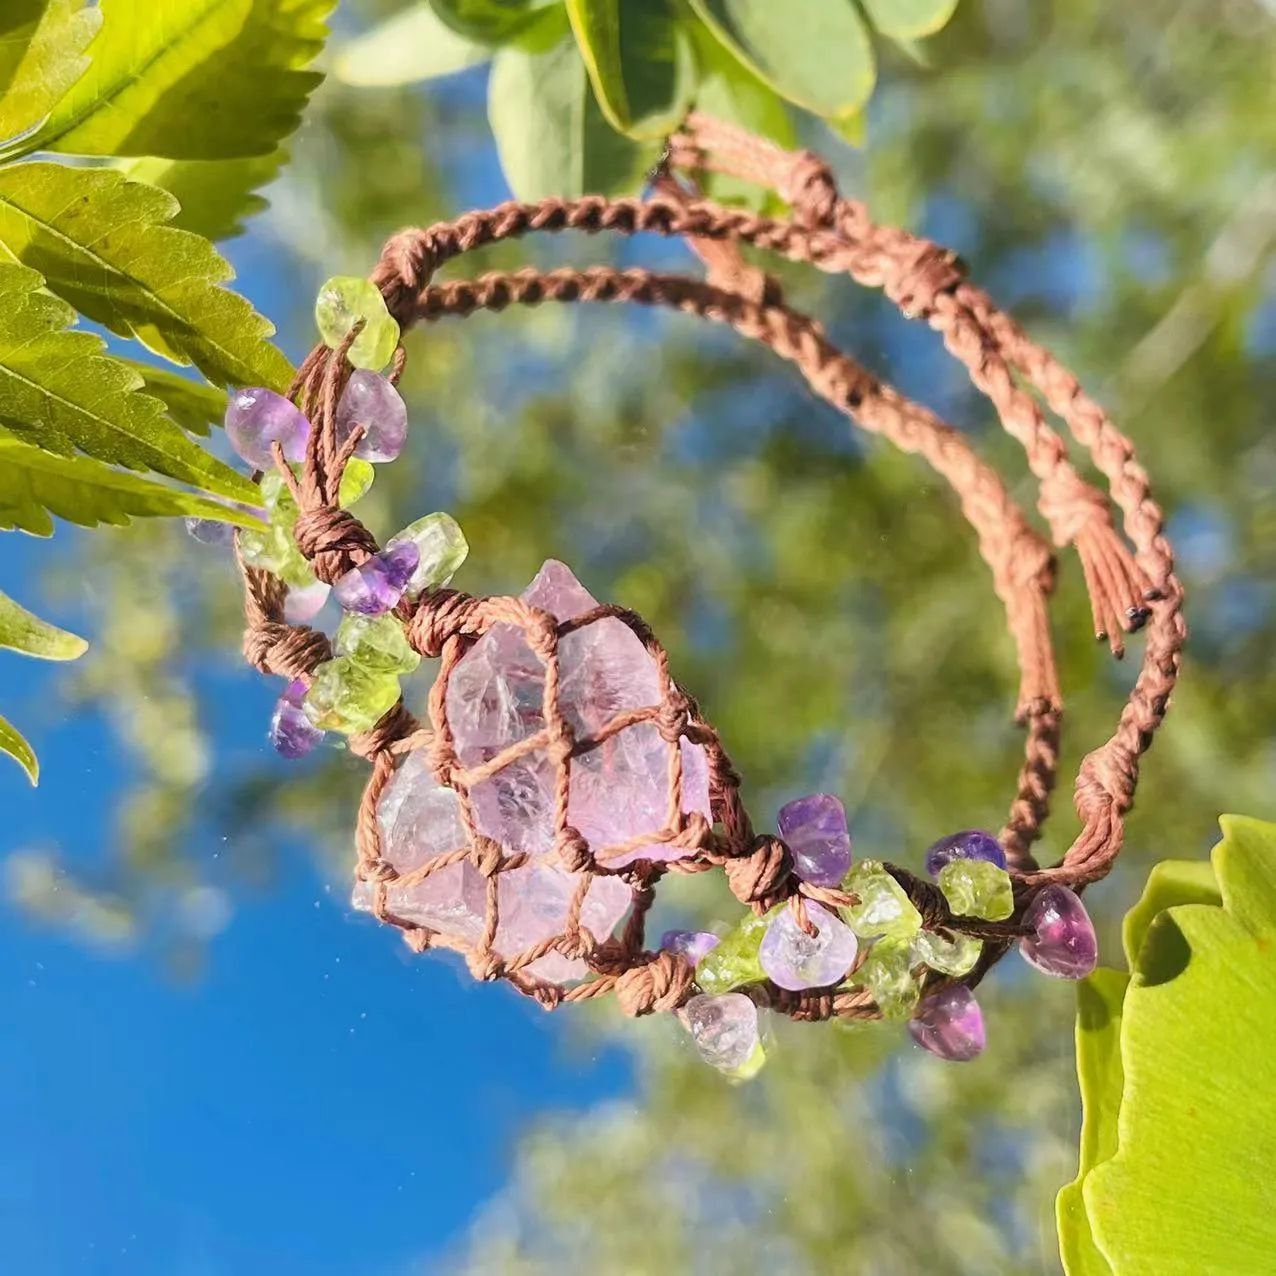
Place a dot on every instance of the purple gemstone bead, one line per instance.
(795, 960)
(972, 844)
(814, 828)
(1064, 943)
(291, 732)
(949, 1024)
(302, 605)
(375, 586)
(210, 531)
(256, 418)
(691, 944)
(371, 401)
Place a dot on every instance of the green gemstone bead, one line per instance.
(342, 302)
(976, 888)
(442, 546)
(345, 697)
(956, 956)
(734, 960)
(274, 550)
(376, 643)
(884, 909)
(355, 481)
(887, 972)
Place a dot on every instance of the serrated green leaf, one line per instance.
(24, 631)
(639, 62)
(1191, 1186)
(194, 405)
(42, 53)
(13, 743)
(1099, 1001)
(410, 46)
(1170, 882)
(815, 53)
(550, 134)
(492, 22)
(191, 79)
(35, 484)
(101, 243)
(216, 196)
(60, 391)
(909, 19)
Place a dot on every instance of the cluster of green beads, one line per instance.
(361, 683)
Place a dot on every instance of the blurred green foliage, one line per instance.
(1105, 170)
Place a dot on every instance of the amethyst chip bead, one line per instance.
(257, 418)
(291, 732)
(971, 844)
(691, 944)
(1063, 942)
(795, 960)
(949, 1024)
(814, 829)
(377, 584)
(371, 401)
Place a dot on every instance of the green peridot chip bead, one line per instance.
(734, 960)
(355, 482)
(342, 302)
(750, 1067)
(345, 697)
(277, 497)
(375, 643)
(884, 910)
(442, 548)
(274, 550)
(887, 972)
(976, 888)
(956, 956)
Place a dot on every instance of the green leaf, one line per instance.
(492, 22)
(1099, 1000)
(815, 53)
(191, 79)
(550, 134)
(194, 405)
(639, 62)
(42, 53)
(35, 484)
(1171, 882)
(12, 743)
(852, 128)
(216, 196)
(59, 391)
(908, 19)
(101, 243)
(21, 630)
(1190, 1188)
(411, 46)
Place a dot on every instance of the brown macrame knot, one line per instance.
(807, 186)
(573, 850)
(374, 871)
(926, 272)
(1070, 505)
(662, 983)
(407, 262)
(333, 540)
(289, 651)
(441, 615)
(1107, 778)
(393, 725)
(759, 877)
(485, 967)
(674, 713)
(486, 855)
(806, 1007)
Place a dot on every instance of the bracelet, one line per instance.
(560, 772)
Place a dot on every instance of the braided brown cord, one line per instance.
(926, 281)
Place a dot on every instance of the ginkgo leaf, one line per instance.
(42, 53)
(35, 484)
(13, 743)
(194, 405)
(24, 631)
(191, 79)
(216, 196)
(101, 243)
(60, 391)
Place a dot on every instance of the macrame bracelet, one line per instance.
(560, 773)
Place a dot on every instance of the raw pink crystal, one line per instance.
(619, 791)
